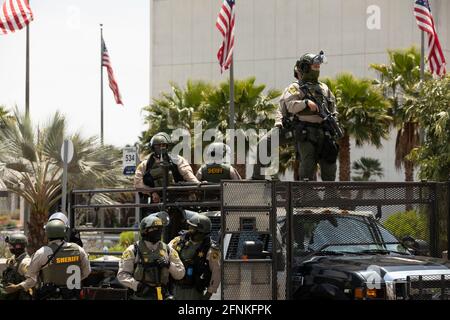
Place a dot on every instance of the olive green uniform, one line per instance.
(310, 139)
(14, 273)
(193, 256)
(139, 266)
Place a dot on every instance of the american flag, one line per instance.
(112, 81)
(14, 15)
(225, 24)
(424, 19)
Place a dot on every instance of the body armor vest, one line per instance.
(156, 171)
(193, 256)
(55, 272)
(11, 273)
(319, 93)
(214, 172)
(146, 269)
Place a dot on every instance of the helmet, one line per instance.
(218, 152)
(200, 223)
(55, 229)
(17, 239)
(303, 66)
(59, 216)
(151, 221)
(160, 138)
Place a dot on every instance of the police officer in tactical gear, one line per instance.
(201, 259)
(16, 267)
(150, 172)
(145, 266)
(315, 143)
(58, 268)
(217, 166)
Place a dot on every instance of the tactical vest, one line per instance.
(157, 172)
(214, 172)
(193, 256)
(146, 268)
(11, 273)
(55, 272)
(318, 91)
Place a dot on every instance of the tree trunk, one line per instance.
(37, 237)
(409, 171)
(344, 158)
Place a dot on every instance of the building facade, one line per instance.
(272, 34)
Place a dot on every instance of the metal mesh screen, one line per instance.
(247, 194)
(428, 287)
(247, 280)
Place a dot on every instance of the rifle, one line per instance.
(330, 121)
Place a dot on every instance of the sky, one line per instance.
(65, 65)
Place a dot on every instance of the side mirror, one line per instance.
(417, 247)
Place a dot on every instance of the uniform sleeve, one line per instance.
(139, 176)
(126, 269)
(234, 174)
(185, 170)
(23, 266)
(278, 117)
(213, 257)
(293, 99)
(198, 175)
(85, 265)
(38, 259)
(176, 268)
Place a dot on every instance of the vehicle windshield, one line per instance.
(342, 234)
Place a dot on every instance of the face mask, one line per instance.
(311, 76)
(153, 236)
(16, 251)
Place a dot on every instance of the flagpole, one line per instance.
(422, 55)
(232, 94)
(27, 73)
(101, 83)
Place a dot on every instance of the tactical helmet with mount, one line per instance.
(55, 229)
(303, 65)
(16, 239)
(200, 223)
(218, 152)
(150, 222)
(160, 138)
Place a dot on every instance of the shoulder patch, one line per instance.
(174, 254)
(126, 255)
(215, 255)
(293, 89)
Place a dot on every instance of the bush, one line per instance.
(127, 238)
(408, 223)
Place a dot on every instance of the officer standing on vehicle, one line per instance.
(16, 267)
(146, 265)
(217, 166)
(150, 172)
(315, 143)
(57, 268)
(201, 259)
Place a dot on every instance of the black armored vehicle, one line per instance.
(340, 254)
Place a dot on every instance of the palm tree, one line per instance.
(366, 168)
(253, 109)
(34, 166)
(363, 113)
(399, 80)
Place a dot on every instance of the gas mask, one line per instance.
(16, 250)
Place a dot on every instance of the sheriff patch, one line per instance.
(216, 170)
(293, 90)
(68, 259)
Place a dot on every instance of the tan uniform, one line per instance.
(39, 259)
(292, 102)
(128, 260)
(213, 258)
(23, 265)
(183, 167)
